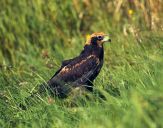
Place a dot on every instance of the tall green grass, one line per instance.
(35, 36)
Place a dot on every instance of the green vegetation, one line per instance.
(35, 36)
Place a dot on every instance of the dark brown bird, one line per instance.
(77, 72)
(81, 70)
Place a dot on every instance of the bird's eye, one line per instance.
(99, 37)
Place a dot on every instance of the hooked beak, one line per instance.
(106, 39)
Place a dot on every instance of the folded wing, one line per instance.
(78, 70)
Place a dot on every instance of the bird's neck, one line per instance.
(91, 49)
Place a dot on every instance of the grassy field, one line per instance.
(36, 36)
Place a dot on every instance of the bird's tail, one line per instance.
(61, 91)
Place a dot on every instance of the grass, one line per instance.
(36, 38)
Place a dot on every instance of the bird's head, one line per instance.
(97, 39)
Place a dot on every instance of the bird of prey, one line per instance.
(77, 72)
(81, 70)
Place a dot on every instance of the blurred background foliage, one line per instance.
(44, 24)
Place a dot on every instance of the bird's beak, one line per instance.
(106, 39)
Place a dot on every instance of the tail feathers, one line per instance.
(60, 91)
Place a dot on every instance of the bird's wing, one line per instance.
(79, 70)
(64, 63)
